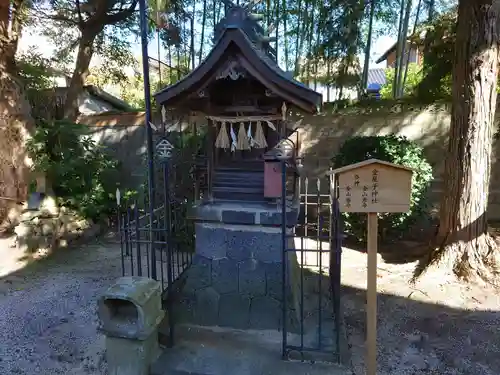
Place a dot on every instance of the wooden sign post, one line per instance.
(373, 186)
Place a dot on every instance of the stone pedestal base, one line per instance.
(236, 278)
(131, 357)
(129, 315)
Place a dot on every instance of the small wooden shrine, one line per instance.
(235, 277)
(245, 97)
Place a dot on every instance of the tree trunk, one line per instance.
(462, 244)
(399, 48)
(310, 36)
(277, 27)
(285, 33)
(203, 25)
(366, 65)
(298, 39)
(328, 75)
(215, 18)
(16, 122)
(404, 51)
(80, 74)
(407, 64)
(191, 46)
(430, 4)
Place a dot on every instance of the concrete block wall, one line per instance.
(127, 144)
(322, 135)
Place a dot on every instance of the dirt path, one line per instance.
(437, 327)
(48, 320)
(47, 310)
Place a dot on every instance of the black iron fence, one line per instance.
(140, 237)
(159, 243)
(311, 270)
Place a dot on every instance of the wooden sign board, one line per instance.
(374, 186)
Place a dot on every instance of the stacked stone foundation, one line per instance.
(236, 279)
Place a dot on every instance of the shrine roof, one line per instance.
(236, 42)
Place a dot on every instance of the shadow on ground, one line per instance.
(423, 338)
(48, 308)
(414, 245)
(48, 320)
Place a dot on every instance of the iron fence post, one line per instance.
(335, 262)
(284, 255)
(122, 252)
(138, 239)
(169, 248)
(149, 131)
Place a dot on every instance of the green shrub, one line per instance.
(82, 176)
(394, 149)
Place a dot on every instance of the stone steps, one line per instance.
(248, 165)
(232, 180)
(237, 184)
(224, 351)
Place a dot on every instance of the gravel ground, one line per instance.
(48, 316)
(48, 310)
(439, 326)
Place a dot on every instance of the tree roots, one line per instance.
(476, 261)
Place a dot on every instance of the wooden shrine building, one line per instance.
(245, 97)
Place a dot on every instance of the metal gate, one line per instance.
(156, 235)
(311, 267)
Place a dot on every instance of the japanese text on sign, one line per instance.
(369, 193)
(374, 186)
(364, 196)
(348, 196)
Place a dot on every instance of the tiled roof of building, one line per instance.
(377, 76)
